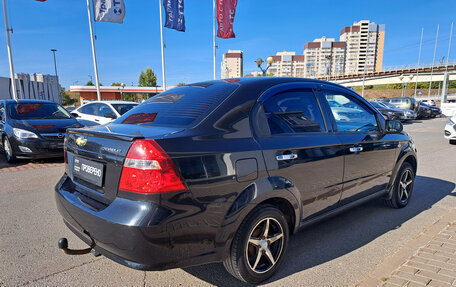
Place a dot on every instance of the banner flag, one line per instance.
(225, 18)
(174, 14)
(109, 11)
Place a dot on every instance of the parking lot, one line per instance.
(341, 251)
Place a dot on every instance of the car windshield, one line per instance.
(179, 107)
(123, 108)
(377, 105)
(388, 105)
(34, 111)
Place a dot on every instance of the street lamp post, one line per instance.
(259, 62)
(122, 86)
(56, 76)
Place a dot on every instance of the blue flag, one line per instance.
(174, 10)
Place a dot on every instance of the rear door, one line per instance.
(369, 151)
(89, 112)
(299, 147)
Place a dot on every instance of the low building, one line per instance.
(36, 86)
(287, 64)
(89, 93)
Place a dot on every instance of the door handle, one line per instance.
(287, 156)
(97, 120)
(356, 149)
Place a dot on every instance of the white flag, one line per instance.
(109, 10)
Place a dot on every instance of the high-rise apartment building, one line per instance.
(323, 57)
(287, 64)
(232, 64)
(364, 47)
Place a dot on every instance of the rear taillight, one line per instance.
(149, 170)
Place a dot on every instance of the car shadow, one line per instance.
(340, 235)
(27, 162)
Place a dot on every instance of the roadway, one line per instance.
(338, 252)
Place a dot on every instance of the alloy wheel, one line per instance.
(7, 147)
(405, 186)
(265, 245)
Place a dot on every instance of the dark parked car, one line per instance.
(408, 114)
(33, 128)
(424, 112)
(389, 113)
(226, 171)
(435, 111)
(407, 103)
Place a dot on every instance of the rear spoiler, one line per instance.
(107, 134)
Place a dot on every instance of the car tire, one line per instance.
(250, 251)
(403, 187)
(9, 153)
(453, 142)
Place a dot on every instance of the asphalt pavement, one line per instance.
(341, 251)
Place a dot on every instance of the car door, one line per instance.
(103, 110)
(369, 151)
(298, 146)
(89, 112)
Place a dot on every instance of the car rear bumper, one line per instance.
(138, 234)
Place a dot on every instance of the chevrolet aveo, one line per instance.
(225, 171)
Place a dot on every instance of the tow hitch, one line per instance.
(63, 245)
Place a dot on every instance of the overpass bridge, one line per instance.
(400, 76)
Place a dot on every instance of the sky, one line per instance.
(262, 27)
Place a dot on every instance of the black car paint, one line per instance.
(228, 163)
(49, 142)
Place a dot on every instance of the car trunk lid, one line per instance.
(95, 156)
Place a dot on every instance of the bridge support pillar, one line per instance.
(446, 82)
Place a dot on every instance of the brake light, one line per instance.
(149, 170)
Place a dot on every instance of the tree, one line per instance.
(181, 84)
(66, 100)
(147, 78)
(116, 84)
(90, 83)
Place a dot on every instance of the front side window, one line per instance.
(89, 109)
(350, 114)
(293, 112)
(104, 109)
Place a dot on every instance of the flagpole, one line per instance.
(10, 54)
(433, 60)
(215, 43)
(419, 59)
(93, 51)
(162, 45)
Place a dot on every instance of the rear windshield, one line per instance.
(123, 108)
(33, 111)
(179, 107)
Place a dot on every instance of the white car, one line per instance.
(103, 112)
(450, 130)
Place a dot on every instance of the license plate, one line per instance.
(88, 170)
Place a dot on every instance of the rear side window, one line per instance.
(179, 107)
(89, 109)
(293, 112)
(2, 111)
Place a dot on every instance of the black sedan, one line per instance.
(225, 171)
(434, 111)
(33, 128)
(389, 113)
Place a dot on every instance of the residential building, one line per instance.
(287, 64)
(232, 64)
(324, 57)
(364, 47)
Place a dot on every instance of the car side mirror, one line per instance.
(394, 127)
(110, 116)
(75, 115)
